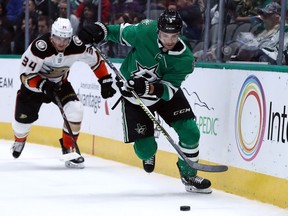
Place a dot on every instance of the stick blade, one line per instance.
(69, 156)
(206, 167)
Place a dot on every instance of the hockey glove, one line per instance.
(49, 88)
(140, 85)
(93, 33)
(123, 88)
(106, 86)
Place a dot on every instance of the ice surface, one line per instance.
(38, 184)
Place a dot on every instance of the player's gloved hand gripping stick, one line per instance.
(194, 165)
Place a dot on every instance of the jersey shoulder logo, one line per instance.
(146, 22)
(41, 45)
(77, 41)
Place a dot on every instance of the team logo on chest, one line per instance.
(150, 73)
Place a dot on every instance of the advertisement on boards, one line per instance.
(241, 114)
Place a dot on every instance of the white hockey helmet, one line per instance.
(62, 28)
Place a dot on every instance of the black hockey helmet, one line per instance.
(170, 21)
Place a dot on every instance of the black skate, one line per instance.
(74, 163)
(17, 148)
(149, 164)
(196, 184)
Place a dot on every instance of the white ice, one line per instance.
(38, 184)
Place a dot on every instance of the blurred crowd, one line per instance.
(250, 33)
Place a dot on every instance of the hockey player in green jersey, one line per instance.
(155, 68)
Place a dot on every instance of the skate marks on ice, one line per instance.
(38, 183)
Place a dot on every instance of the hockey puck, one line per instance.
(184, 208)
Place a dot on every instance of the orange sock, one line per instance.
(67, 141)
(23, 139)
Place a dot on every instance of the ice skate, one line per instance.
(17, 148)
(77, 163)
(149, 164)
(196, 184)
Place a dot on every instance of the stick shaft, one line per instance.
(66, 122)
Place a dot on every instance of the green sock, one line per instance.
(185, 170)
(145, 148)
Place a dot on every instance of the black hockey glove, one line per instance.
(123, 88)
(49, 88)
(93, 33)
(106, 86)
(140, 85)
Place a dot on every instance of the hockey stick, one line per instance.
(72, 155)
(194, 165)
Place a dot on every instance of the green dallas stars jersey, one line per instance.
(148, 58)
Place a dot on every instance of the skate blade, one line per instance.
(72, 165)
(69, 156)
(193, 189)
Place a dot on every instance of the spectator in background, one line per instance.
(238, 11)
(105, 9)
(122, 6)
(285, 47)
(6, 31)
(31, 9)
(261, 47)
(20, 28)
(44, 25)
(62, 12)
(89, 15)
(14, 9)
(19, 45)
(187, 3)
(191, 13)
(245, 11)
(122, 18)
(3, 11)
(172, 5)
(137, 17)
(157, 7)
(6, 36)
(264, 46)
(47, 8)
(115, 50)
(243, 8)
(75, 4)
